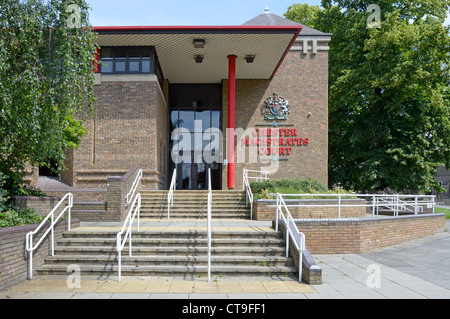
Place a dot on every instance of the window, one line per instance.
(128, 60)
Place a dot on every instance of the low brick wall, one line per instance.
(359, 235)
(263, 209)
(41, 205)
(14, 257)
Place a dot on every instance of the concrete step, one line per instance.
(175, 234)
(268, 261)
(174, 250)
(163, 270)
(167, 242)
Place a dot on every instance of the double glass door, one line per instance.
(194, 109)
(192, 169)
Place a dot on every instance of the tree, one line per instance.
(389, 99)
(303, 13)
(46, 81)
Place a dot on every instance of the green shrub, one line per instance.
(10, 216)
(290, 186)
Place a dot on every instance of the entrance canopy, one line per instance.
(260, 50)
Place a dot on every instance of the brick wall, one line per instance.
(358, 235)
(13, 256)
(302, 79)
(262, 209)
(129, 129)
(41, 205)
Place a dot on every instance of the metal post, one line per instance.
(339, 213)
(276, 218)
(70, 207)
(287, 236)
(53, 238)
(119, 257)
(373, 206)
(415, 205)
(397, 206)
(433, 197)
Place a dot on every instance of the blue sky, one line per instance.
(185, 12)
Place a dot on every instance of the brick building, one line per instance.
(159, 88)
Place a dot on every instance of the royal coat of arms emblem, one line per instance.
(275, 108)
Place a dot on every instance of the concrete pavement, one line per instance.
(419, 269)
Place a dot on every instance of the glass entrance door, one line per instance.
(196, 110)
(192, 171)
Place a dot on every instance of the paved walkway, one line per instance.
(419, 269)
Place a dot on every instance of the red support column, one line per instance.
(231, 117)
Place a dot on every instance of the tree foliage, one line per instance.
(389, 99)
(46, 81)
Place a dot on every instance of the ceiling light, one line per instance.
(199, 43)
(199, 58)
(249, 58)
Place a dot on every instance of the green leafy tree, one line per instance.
(389, 99)
(303, 13)
(46, 81)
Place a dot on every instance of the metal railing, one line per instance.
(292, 232)
(29, 237)
(170, 194)
(120, 243)
(134, 187)
(395, 203)
(208, 221)
(263, 176)
(134, 210)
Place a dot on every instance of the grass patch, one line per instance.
(442, 210)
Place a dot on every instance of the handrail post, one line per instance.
(119, 257)
(373, 206)
(415, 205)
(339, 212)
(52, 233)
(277, 216)
(287, 235)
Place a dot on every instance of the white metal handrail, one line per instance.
(248, 189)
(170, 194)
(127, 230)
(374, 201)
(29, 237)
(134, 186)
(292, 232)
(263, 175)
(208, 221)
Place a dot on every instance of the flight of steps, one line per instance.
(192, 205)
(173, 253)
(235, 252)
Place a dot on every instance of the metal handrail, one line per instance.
(170, 194)
(292, 232)
(29, 236)
(134, 187)
(248, 189)
(375, 203)
(134, 210)
(208, 221)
